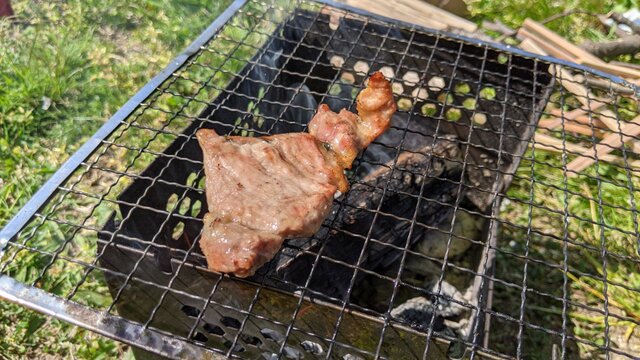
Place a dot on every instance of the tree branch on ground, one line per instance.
(619, 18)
(625, 45)
(567, 13)
(498, 26)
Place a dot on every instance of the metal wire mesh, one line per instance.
(551, 271)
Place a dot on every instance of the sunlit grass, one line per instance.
(65, 67)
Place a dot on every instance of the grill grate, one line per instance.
(441, 260)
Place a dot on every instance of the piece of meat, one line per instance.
(346, 133)
(261, 191)
(375, 106)
(422, 173)
(339, 131)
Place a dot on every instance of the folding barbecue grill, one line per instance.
(125, 211)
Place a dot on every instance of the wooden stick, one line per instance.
(546, 47)
(545, 142)
(572, 127)
(623, 20)
(336, 14)
(580, 117)
(553, 38)
(608, 144)
(434, 12)
(609, 85)
(623, 64)
(613, 69)
(498, 26)
(586, 98)
(582, 93)
(416, 12)
(567, 116)
(549, 143)
(620, 46)
(531, 46)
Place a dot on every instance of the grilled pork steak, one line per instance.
(261, 191)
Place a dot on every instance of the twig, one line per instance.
(629, 65)
(567, 13)
(626, 45)
(599, 295)
(608, 85)
(549, 143)
(604, 20)
(609, 143)
(498, 26)
(619, 18)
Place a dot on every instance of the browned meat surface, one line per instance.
(347, 133)
(261, 191)
(339, 131)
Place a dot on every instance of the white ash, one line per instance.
(466, 227)
(418, 313)
(397, 88)
(459, 326)
(388, 72)
(420, 93)
(411, 78)
(449, 301)
(361, 67)
(312, 347)
(336, 61)
(293, 353)
(436, 83)
(351, 357)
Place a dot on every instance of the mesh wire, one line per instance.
(557, 258)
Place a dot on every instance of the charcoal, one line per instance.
(449, 300)
(418, 313)
(466, 228)
(345, 240)
(351, 357)
(312, 347)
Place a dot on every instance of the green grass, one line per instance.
(65, 67)
(604, 230)
(575, 27)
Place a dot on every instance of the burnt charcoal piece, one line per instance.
(354, 223)
(417, 313)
